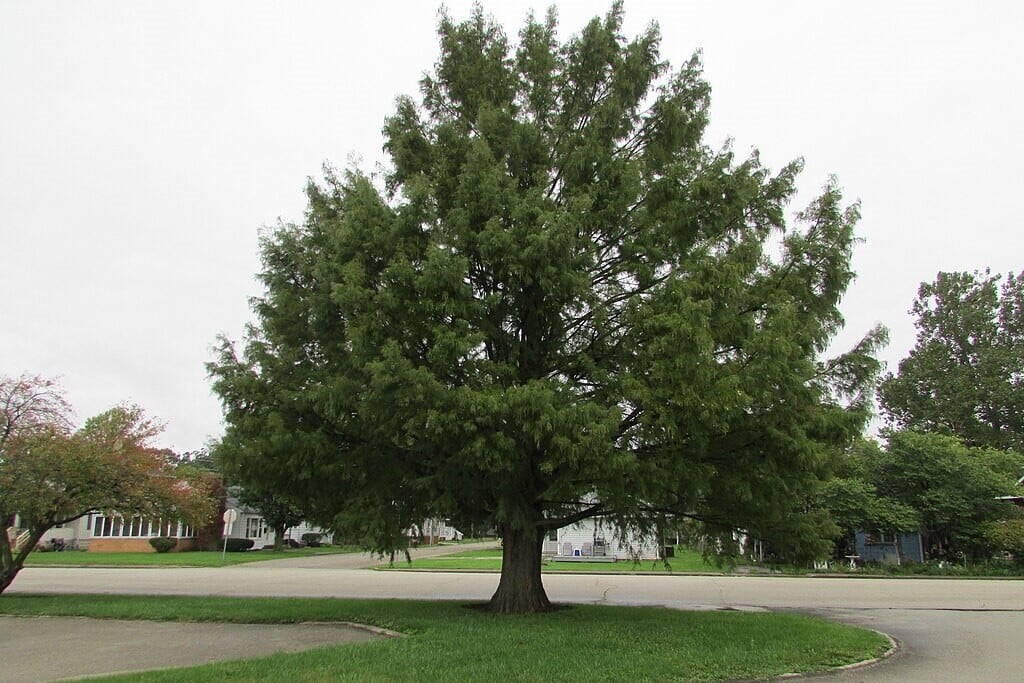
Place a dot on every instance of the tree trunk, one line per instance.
(279, 538)
(8, 570)
(520, 590)
(12, 561)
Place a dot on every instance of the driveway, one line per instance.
(950, 629)
(53, 648)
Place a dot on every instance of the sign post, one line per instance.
(230, 515)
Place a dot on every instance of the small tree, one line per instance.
(277, 511)
(52, 474)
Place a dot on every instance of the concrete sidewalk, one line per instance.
(55, 648)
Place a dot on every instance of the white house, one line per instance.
(250, 524)
(597, 539)
(434, 530)
(97, 532)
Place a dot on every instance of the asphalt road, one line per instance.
(964, 630)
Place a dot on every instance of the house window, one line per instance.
(553, 535)
(138, 527)
(255, 527)
(880, 539)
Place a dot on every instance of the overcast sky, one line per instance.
(144, 144)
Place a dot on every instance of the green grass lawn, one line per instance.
(447, 641)
(490, 560)
(78, 558)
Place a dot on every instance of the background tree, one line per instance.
(1006, 535)
(202, 465)
(51, 474)
(952, 487)
(558, 303)
(256, 490)
(278, 512)
(965, 374)
(854, 503)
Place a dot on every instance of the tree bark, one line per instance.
(279, 538)
(520, 590)
(13, 561)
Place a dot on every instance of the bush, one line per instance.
(311, 539)
(237, 545)
(163, 544)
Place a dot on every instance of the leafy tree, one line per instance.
(52, 474)
(557, 303)
(1006, 535)
(277, 511)
(964, 375)
(853, 502)
(952, 487)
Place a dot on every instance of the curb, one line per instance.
(894, 647)
(376, 630)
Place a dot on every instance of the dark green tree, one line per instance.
(257, 489)
(557, 303)
(965, 374)
(853, 502)
(953, 487)
(278, 511)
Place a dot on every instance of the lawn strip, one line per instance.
(490, 560)
(80, 558)
(449, 641)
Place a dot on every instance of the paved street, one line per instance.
(950, 629)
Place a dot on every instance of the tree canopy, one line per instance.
(558, 302)
(51, 473)
(952, 487)
(965, 374)
(853, 501)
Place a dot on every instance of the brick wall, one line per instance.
(133, 545)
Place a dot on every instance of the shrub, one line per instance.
(311, 539)
(163, 544)
(237, 545)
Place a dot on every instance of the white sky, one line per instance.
(142, 145)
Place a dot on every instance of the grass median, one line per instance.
(197, 558)
(685, 560)
(450, 641)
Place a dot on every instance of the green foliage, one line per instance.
(163, 544)
(559, 302)
(852, 499)
(51, 473)
(951, 486)
(963, 376)
(1006, 535)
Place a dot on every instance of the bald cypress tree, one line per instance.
(559, 302)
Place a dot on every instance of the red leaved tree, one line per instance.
(52, 473)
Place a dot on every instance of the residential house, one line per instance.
(596, 539)
(98, 532)
(250, 524)
(434, 530)
(888, 548)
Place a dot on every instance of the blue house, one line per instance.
(890, 548)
